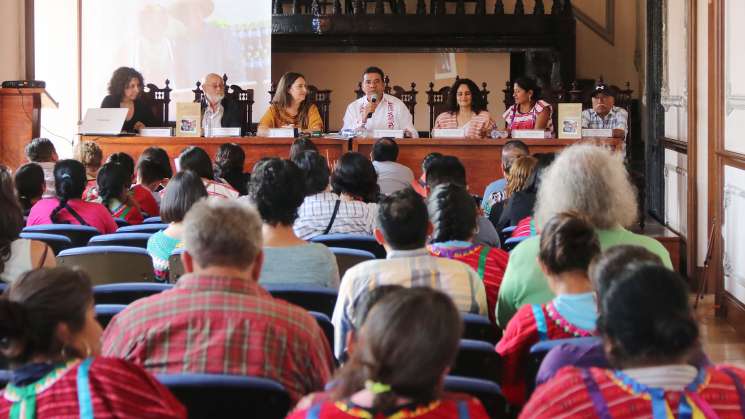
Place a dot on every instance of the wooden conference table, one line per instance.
(482, 158)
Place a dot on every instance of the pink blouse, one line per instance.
(518, 120)
(479, 126)
(95, 215)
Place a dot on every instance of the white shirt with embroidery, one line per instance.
(391, 113)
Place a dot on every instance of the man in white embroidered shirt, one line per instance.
(604, 114)
(376, 110)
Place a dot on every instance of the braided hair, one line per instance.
(69, 183)
(453, 213)
(112, 182)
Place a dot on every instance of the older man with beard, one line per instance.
(217, 111)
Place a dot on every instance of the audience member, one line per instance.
(30, 185)
(17, 255)
(91, 156)
(522, 202)
(362, 307)
(604, 114)
(68, 207)
(183, 191)
(592, 182)
(299, 146)
(226, 323)
(277, 191)
(150, 177)
(50, 335)
(198, 161)
(448, 169)
(392, 176)
(518, 180)
(217, 110)
(113, 182)
(529, 110)
(405, 349)
(568, 245)
(466, 110)
(454, 216)
(42, 152)
(494, 192)
(229, 162)
(648, 331)
(420, 185)
(403, 226)
(160, 157)
(348, 209)
(125, 89)
(291, 107)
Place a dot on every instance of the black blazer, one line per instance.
(231, 114)
(142, 113)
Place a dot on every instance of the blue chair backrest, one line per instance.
(346, 258)
(121, 239)
(308, 297)
(109, 264)
(127, 292)
(152, 220)
(488, 392)
(143, 228)
(78, 234)
(478, 327)
(106, 312)
(121, 222)
(56, 242)
(352, 241)
(326, 326)
(509, 229)
(175, 267)
(223, 396)
(510, 243)
(477, 359)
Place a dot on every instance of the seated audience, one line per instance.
(217, 110)
(17, 255)
(301, 145)
(30, 185)
(183, 191)
(518, 180)
(604, 114)
(277, 191)
(125, 90)
(362, 307)
(226, 323)
(50, 335)
(466, 110)
(198, 161)
(448, 169)
(160, 157)
(403, 226)
(229, 162)
(376, 109)
(494, 192)
(592, 182)
(68, 207)
(522, 202)
(91, 156)
(529, 112)
(454, 216)
(291, 107)
(392, 176)
(42, 152)
(150, 177)
(648, 331)
(420, 185)
(405, 349)
(113, 182)
(349, 208)
(568, 245)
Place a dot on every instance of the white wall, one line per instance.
(12, 65)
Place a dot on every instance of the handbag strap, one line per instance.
(333, 217)
(75, 215)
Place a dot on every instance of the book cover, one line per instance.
(570, 120)
(188, 119)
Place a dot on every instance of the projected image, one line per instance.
(178, 40)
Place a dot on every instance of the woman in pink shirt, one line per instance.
(529, 111)
(68, 207)
(466, 110)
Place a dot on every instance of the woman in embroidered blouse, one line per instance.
(466, 110)
(568, 245)
(649, 333)
(453, 214)
(290, 107)
(401, 356)
(529, 111)
(182, 191)
(113, 184)
(50, 336)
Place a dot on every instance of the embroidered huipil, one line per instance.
(391, 113)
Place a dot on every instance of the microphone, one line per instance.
(373, 99)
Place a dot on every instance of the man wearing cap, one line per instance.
(604, 114)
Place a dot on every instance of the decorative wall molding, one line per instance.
(605, 30)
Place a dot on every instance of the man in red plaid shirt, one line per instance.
(217, 319)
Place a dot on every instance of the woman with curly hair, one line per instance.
(125, 88)
(466, 110)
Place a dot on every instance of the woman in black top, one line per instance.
(125, 87)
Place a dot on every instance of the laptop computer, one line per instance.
(103, 121)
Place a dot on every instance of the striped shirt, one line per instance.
(222, 325)
(408, 268)
(219, 189)
(518, 120)
(353, 217)
(617, 118)
(479, 126)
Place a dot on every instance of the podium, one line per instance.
(20, 121)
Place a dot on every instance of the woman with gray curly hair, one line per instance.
(588, 180)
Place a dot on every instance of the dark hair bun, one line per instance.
(568, 242)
